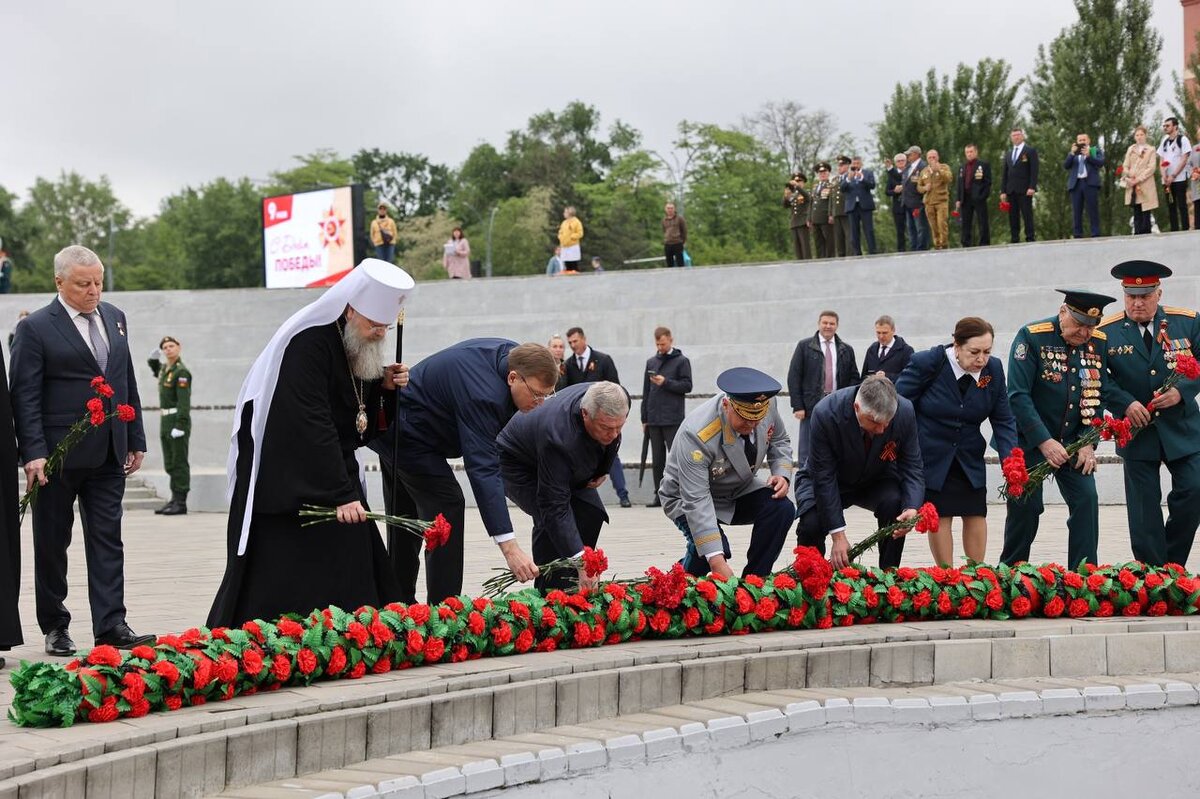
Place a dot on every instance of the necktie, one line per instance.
(1148, 339)
(98, 344)
(579, 360)
(964, 383)
(828, 366)
(882, 353)
(751, 450)
(1014, 155)
(1082, 167)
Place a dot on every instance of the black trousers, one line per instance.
(841, 235)
(1177, 204)
(588, 521)
(862, 224)
(100, 492)
(1141, 219)
(424, 496)
(883, 497)
(976, 210)
(1086, 197)
(823, 239)
(1020, 207)
(661, 436)
(771, 519)
(801, 243)
(673, 254)
(898, 219)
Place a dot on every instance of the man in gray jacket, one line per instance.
(710, 476)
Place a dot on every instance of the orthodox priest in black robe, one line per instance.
(328, 392)
(10, 526)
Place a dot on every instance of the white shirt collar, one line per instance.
(958, 370)
(587, 355)
(73, 312)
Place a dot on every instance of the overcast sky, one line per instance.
(158, 95)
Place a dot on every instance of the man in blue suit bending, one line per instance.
(863, 451)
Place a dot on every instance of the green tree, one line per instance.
(977, 105)
(483, 180)
(320, 169)
(70, 210)
(733, 197)
(521, 243)
(15, 237)
(1098, 77)
(408, 182)
(1186, 105)
(802, 138)
(422, 238)
(624, 211)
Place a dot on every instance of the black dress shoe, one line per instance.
(625, 503)
(655, 504)
(58, 642)
(123, 638)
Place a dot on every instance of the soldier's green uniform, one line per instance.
(799, 202)
(819, 213)
(175, 400)
(1136, 370)
(837, 209)
(1055, 391)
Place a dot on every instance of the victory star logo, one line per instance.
(333, 227)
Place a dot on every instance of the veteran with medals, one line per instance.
(710, 478)
(318, 391)
(1143, 343)
(1056, 386)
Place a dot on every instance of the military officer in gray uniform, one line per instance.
(710, 477)
(1143, 343)
(1056, 386)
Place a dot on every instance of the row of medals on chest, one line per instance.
(1057, 363)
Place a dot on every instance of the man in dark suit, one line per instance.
(974, 189)
(57, 352)
(859, 190)
(895, 188)
(552, 461)
(586, 365)
(1083, 164)
(889, 354)
(914, 202)
(1018, 184)
(820, 365)
(863, 450)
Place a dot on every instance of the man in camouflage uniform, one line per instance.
(175, 400)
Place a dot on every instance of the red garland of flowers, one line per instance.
(202, 665)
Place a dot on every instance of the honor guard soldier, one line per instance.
(175, 400)
(1056, 385)
(1143, 343)
(710, 478)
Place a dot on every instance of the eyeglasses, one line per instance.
(538, 398)
(374, 328)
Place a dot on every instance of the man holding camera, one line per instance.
(797, 198)
(860, 206)
(1083, 183)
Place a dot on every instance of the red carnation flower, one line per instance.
(454, 603)
(414, 643)
(502, 634)
(597, 634)
(783, 582)
(825, 623)
(281, 668)
(381, 633)
(842, 592)
(306, 661)
(745, 602)
(1021, 607)
(847, 621)
(1073, 580)
(168, 671)
(1078, 608)
(1095, 582)
(994, 599)
(106, 712)
(595, 562)
(475, 623)
(944, 604)
(523, 641)
(226, 669)
(438, 533)
(1132, 609)
(549, 617)
(614, 611)
(1159, 608)
(435, 648)
(754, 580)
(97, 418)
(616, 591)
(104, 655)
(796, 616)
(660, 621)
(871, 596)
(95, 405)
(1153, 580)
(954, 213)
(548, 645)
(1106, 609)
(252, 662)
(134, 687)
(709, 591)
(254, 630)
(138, 707)
(419, 613)
(895, 596)
(1127, 579)
(766, 608)
(519, 610)
(144, 652)
(715, 626)
(1005, 206)
(382, 666)
(358, 670)
(691, 618)
(1054, 608)
(98, 381)
(126, 413)
(482, 603)
(927, 519)
(967, 608)
(1187, 366)
(582, 634)
(357, 634)
(905, 573)
(290, 629)
(1166, 164)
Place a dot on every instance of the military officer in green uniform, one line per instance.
(798, 200)
(175, 400)
(1056, 385)
(1143, 342)
(837, 208)
(711, 481)
(820, 214)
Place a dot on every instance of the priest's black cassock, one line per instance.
(10, 526)
(307, 458)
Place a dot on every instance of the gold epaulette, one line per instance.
(710, 430)
(1188, 312)
(1112, 317)
(1100, 335)
(1040, 327)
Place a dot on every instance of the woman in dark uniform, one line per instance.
(954, 389)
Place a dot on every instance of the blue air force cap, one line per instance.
(749, 391)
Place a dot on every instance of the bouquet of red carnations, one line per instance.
(593, 562)
(434, 533)
(926, 521)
